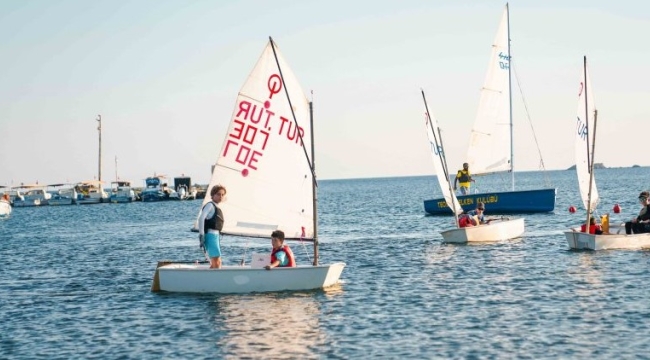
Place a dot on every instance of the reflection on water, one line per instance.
(588, 275)
(271, 326)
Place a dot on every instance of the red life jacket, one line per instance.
(285, 248)
(592, 228)
(464, 220)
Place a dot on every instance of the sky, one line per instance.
(164, 76)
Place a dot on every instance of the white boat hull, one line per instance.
(497, 230)
(616, 239)
(5, 208)
(199, 278)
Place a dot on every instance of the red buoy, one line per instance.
(572, 209)
(616, 209)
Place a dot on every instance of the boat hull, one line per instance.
(507, 202)
(199, 278)
(61, 200)
(5, 208)
(89, 200)
(616, 239)
(30, 202)
(495, 231)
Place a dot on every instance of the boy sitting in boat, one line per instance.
(593, 227)
(281, 255)
(473, 217)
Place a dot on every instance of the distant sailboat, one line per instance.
(614, 236)
(491, 141)
(498, 229)
(266, 164)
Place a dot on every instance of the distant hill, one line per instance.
(596, 166)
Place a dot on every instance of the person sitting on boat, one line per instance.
(641, 223)
(210, 226)
(479, 214)
(467, 220)
(464, 177)
(593, 227)
(281, 255)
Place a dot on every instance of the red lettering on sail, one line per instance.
(290, 130)
(237, 129)
(275, 85)
(244, 106)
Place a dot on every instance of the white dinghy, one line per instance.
(613, 237)
(5, 204)
(498, 229)
(266, 163)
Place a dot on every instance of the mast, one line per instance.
(116, 178)
(313, 184)
(512, 144)
(99, 128)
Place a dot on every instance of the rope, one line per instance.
(243, 258)
(523, 99)
(303, 245)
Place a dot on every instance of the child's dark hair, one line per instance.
(215, 189)
(278, 234)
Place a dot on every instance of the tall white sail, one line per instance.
(583, 140)
(439, 164)
(262, 162)
(490, 140)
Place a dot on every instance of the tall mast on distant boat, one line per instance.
(512, 142)
(99, 128)
(116, 178)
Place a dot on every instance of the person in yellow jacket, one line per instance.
(464, 178)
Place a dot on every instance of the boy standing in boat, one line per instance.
(210, 226)
(281, 255)
(463, 176)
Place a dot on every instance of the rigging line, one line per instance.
(293, 114)
(523, 99)
(305, 248)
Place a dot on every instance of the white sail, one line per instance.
(583, 140)
(439, 164)
(262, 162)
(490, 140)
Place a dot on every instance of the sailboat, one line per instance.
(266, 164)
(491, 141)
(613, 236)
(496, 230)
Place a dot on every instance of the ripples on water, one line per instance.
(75, 284)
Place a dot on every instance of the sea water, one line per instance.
(75, 282)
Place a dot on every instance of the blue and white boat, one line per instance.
(156, 189)
(491, 141)
(63, 195)
(122, 192)
(33, 195)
